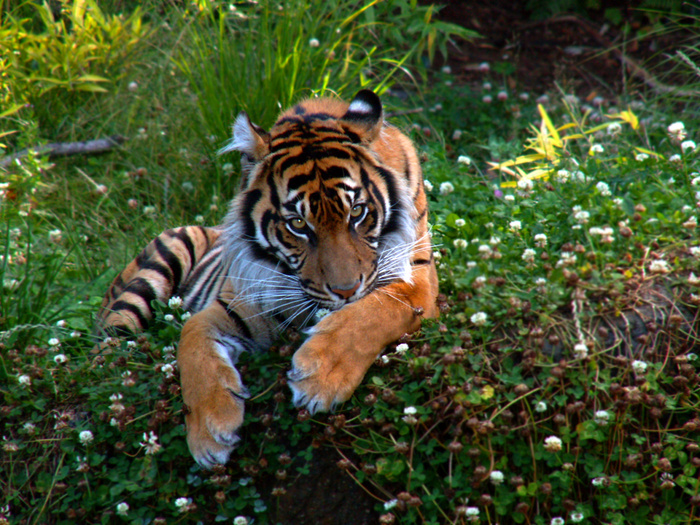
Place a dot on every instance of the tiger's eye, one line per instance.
(357, 210)
(298, 223)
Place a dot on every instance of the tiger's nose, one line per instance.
(345, 292)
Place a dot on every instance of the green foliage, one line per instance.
(75, 53)
(281, 53)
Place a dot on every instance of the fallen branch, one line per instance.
(62, 149)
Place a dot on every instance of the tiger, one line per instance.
(328, 234)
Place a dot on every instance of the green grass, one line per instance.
(553, 328)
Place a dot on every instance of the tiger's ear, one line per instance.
(365, 115)
(251, 140)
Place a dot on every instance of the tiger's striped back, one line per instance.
(184, 262)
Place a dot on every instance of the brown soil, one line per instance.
(587, 55)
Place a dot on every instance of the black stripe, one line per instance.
(184, 237)
(120, 306)
(237, 320)
(172, 261)
(196, 280)
(420, 262)
(159, 268)
(143, 289)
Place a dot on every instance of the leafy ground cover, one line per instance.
(560, 384)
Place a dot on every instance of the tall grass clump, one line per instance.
(261, 57)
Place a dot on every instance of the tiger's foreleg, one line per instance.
(332, 362)
(212, 389)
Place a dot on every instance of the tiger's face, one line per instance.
(318, 207)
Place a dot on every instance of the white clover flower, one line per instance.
(410, 411)
(676, 158)
(582, 217)
(502, 95)
(694, 251)
(691, 356)
(580, 351)
(509, 197)
(149, 210)
(460, 223)
(529, 255)
(456, 135)
(485, 251)
(472, 511)
(614, 128)
(480, 280)
(557, 521)
(604, 189)
(596, 148)
(131, 344)
(515, 226)
(463, 159)
(55, 236)
(552, 444)
(659, 266)
(388, 505)
(123, 507)
(385, 359)
(567, 259)
(494, 241)
(199, 219)
(314, 42)
(61, 323)
(169, 318)
(563, 175)
(540, 240)
(168, 370)
(692, 222)
(639, 367)
(183, 503)
(150, 442)
(479, 318)
(460, 243)
(598, 482)
(693, 280)
(526, 184)
(25, 380)
(85, 437)
(29, 427)
(677, 131)
(484, 67)
(487, 99)
(184, 317)
(59, 359)
(541, 406)
(54, 341)
(576, 517)
(446, 188)
(602, 417)
(175, 302)
(428, 185)
(497, 477)
(687, 145)
(402, 348)
(471, 264)
(641, 157)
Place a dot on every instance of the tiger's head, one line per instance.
(324, 216)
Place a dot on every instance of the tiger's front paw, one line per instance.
(324, 373)
(216, 407)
